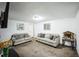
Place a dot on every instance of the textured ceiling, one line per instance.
(49, 10)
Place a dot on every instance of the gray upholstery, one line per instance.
(21, 38)
(48, 36)
(51, 39)
(41, 35)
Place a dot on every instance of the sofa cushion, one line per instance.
(41, 35)
(48, 36)
(26, 35)
(16, 36)
(21, 36)
(46, 39)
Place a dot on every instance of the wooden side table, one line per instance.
(72, 42)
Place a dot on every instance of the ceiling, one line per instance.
(49, 10)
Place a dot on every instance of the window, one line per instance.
(20, 26)
(47, 26)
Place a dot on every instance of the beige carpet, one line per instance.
(37, 49)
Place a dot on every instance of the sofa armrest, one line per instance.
(57, 40)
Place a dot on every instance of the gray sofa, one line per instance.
(50, 39)
(21, 38)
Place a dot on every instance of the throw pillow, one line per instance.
(39, 35)
(42, 35)
(51, 38)
(55, 37)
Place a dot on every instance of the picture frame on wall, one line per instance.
(20, 26)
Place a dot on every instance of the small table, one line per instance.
(72, 42)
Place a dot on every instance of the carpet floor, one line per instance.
(37, 49)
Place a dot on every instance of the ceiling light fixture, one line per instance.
(37, 17)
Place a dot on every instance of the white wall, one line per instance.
(12, 28)
(77, 17)
(58, 26)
